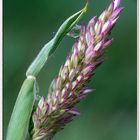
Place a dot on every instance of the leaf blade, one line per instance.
(51, 46)
(19, 121)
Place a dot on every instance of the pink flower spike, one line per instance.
(70, 86)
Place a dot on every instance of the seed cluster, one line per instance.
(69, 87)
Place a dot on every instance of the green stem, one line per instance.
(18, 125)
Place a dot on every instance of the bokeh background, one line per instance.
(110, 113)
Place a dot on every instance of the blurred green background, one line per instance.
(110, 113)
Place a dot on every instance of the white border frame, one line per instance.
(138, 68)
(1, 79)
(1, 68)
